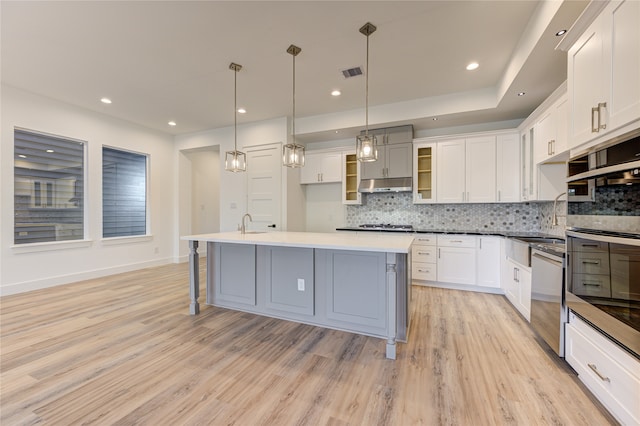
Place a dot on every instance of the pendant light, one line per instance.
(293, 153)
(235, 161)
(367, 145)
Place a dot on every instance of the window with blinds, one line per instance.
(124, 193)
(48, 188)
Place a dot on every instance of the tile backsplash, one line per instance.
(398, 208)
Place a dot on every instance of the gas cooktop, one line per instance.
(386, 226)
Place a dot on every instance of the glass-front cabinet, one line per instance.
(424, 172)
(350, 179)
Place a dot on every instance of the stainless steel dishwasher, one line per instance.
(548, 307)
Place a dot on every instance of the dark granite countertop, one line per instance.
(509, 234)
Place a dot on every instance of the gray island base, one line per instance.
(358, 284)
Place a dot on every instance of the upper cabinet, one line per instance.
(394, 153)
(551, 133)
(424, 172)
(508, 168)
(466, 170)
(321, 167)
(603, 70)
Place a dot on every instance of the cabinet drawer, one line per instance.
(610, 373)
(426, 254)
(456, 241)
(423, 271)
(591, 263)
(424, 240)
(588, 246)
(591, 285)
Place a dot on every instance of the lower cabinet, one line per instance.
(516, 282)
(286, 273)
(610, 373)
(457, 259)
(238, 277)
(423, 258)
(488, 262)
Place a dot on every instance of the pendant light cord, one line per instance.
(235, 110)
(293, 122)
(366, 102)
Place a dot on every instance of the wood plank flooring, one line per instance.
(123, 350)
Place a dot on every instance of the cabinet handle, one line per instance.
(438, 253)
(426, 271)
(595, 129)
(595, 370)
(455, 241)
(467, 197)
(462, 195)
(549, 148)
(589, 245)
(423, 252)
(591, 262)
(590, 284)
(515, 274)
(600, 106)
(553, 146)
(480, 240)
(498, 195)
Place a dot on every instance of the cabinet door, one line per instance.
(331, 167)
(424, 173)
(351, 179)
(398, 160)
(545, 136)
(400, 134)
(488, 262)
(310, 173)
(622, 53)
(524, 284)
(451, 171)
(480, 176)
(509, 282)
(508, 168)
(374, 169)
(585, 78)
(456, 265)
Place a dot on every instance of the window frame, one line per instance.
(85, 241)
(123, 239)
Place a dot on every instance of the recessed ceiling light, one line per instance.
(105, 100)
(242, 110)
(435, 118)
(472, 66)
(22, 156)
(171, 123)
(50, 151)
(561, 32)
(337, 131)
(521, 93)
(336, 93)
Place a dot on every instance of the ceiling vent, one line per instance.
(352, 72)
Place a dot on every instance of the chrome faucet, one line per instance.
(243, 228)
(554, 219)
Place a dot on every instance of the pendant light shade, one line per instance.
(235, 161)
(293, 153)
(367, 145)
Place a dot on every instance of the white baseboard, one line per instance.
(25, 286)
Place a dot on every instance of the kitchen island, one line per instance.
(360, 284)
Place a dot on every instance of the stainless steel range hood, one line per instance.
(400, 184)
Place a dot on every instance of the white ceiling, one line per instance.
(169, 60)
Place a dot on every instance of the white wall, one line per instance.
(325, 211)
(233, 186)
(205, 190)
(21, 269)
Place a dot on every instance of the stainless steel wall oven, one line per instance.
(603, 239)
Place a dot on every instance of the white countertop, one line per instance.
(378, 242)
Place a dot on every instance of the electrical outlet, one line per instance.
(300, 284)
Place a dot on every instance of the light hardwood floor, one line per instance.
(123, 350)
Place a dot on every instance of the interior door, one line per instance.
(264, 187)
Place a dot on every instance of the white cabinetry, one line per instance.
(466, 170)
(424, 172)
(539, 181)
(457, 259)
(516, 282)
(551, 133)
(321, 167)
(423, 258)
(603, 70)
(488, 262)
(508, 168)
(394, 160)
(608, 371)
